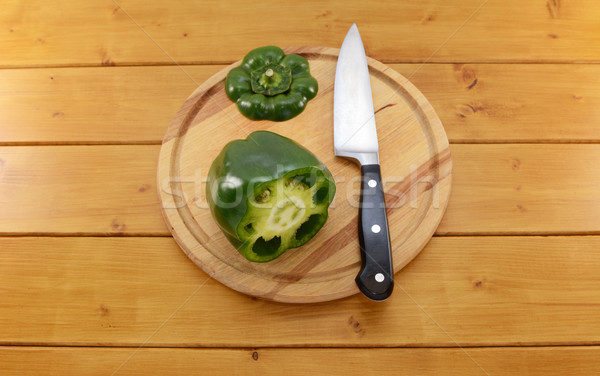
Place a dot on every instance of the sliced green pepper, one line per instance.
(269, 85)
(268, 194)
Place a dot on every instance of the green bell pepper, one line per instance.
(268, 85)
(268, 194)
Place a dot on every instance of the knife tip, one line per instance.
(353, 31)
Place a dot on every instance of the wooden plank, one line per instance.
(479, 361)
(476, 102)
(525, 189)
(98, 32)
(497, 189)
(80, 189)
(472, 291)
(94, 105)
(512, 102)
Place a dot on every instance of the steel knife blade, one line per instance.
(355, 137)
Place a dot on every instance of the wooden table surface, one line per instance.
(91, 282)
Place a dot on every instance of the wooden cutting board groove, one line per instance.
(415, 162)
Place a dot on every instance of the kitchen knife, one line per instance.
(355, 136)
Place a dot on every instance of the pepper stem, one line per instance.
(271, 79)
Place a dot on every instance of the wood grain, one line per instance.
(326, 267)
(493, 361)
(476, 102)
(93, 105)
(497, 189)
(512, 102)
(98, 32)
(120, 291)
(79, 189)
(525, 189)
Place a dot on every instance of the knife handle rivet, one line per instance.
(372, 183)
(375, 229)
(379, 277)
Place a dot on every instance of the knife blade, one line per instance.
(355, 137)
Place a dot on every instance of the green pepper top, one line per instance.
(268, 194)
(270, 85)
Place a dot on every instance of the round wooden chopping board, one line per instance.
(415, 164)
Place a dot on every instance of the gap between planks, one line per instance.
(227, 62)
(164, 235)
(292, 348)
(450, 346)
(157, 142)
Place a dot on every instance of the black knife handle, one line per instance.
(376, 276)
